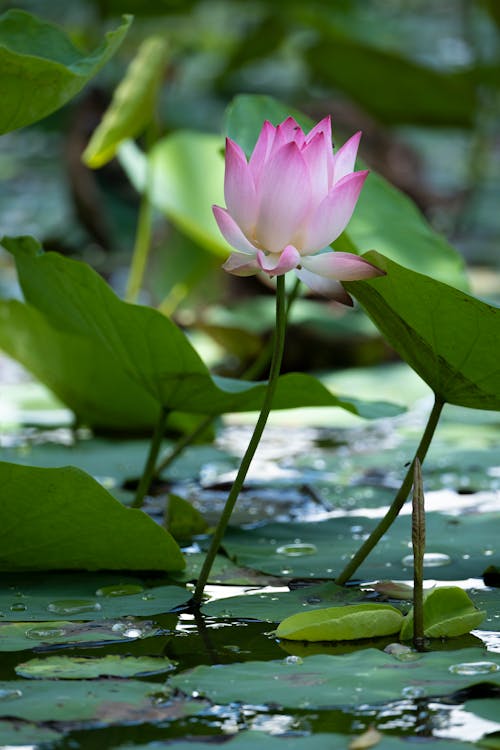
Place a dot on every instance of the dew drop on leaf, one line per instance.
(431, 560)
(474, 667)
(73, 606)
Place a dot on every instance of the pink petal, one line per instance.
(333, 214)
(240, 265)
(317, 154)
(231, 231)
(276, 265)
(261, 151)
(239, 188)
(341, 266)
(326, 287)
(287, 131)
(323, 126)
(284, 196)
(345, 157)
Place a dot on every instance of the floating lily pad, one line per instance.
(84, 597)
(273, 606)
(17, 733)
(353, 622)
(359, 678)
(20, 636)
(42, 69)
(101, 702)
(88, 668)
(458, 547)
(62, 518)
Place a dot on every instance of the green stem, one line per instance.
(398, 502)
(418, 543)
(154, 447)
(279, 345)
(250, 373)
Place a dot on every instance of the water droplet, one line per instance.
(293, 660)
(286, 571)
(147, 597)
(474, 667)
(6, 695)
(413, 691)
(488, 552)
(431, 560)
(44, 634)
(73, 606)
(19, 607)
(133, 633)
(124, 589)
(298, 549)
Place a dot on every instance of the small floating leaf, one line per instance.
(448, 612)
(365, 740)
(182, 519)
(342, 623)
(85, 668)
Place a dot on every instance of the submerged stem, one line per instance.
(279, 345)
(154, 447)
(400, 499)
(418, 543)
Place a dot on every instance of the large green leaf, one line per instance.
(451, 339)
(323, 681)
(133, 103)
(62, 518)
(448, 613)
(148, 347)
(78, 369)
(384, 218)
(349, 623)
(42, 69)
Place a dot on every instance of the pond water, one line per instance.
(114, 660)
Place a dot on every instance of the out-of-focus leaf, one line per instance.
(133, 103)
(42, 69)
(448, 613)
(62, 518)
(347, 623)
(182, 519)
(390, 86)
(87, 668)
(451, 339)
(384, 218)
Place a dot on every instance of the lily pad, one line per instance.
(62, 518)
(448, 613)
(273, 606)
(448, 337)
(88, 668)
(321, 682)
(334, 540)
(42, 69)
(102, 702)
(353, 622)
(151, 349)
(20, 636)
(17, 733)
(79, 596)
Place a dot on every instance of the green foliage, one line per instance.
(347, 623)
(148, 347)
(133, 103)
(62, 518)
(384, 218)
(325, 681)
(182, 520)
(42, 69)
(85, 668)
(448, 613)
(450, 338)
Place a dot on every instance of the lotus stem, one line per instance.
(418, 543)
(400, 499)
(154, 447)
(277, 357)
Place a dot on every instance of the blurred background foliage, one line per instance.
(420, 78)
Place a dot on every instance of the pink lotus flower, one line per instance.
(290, 201)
